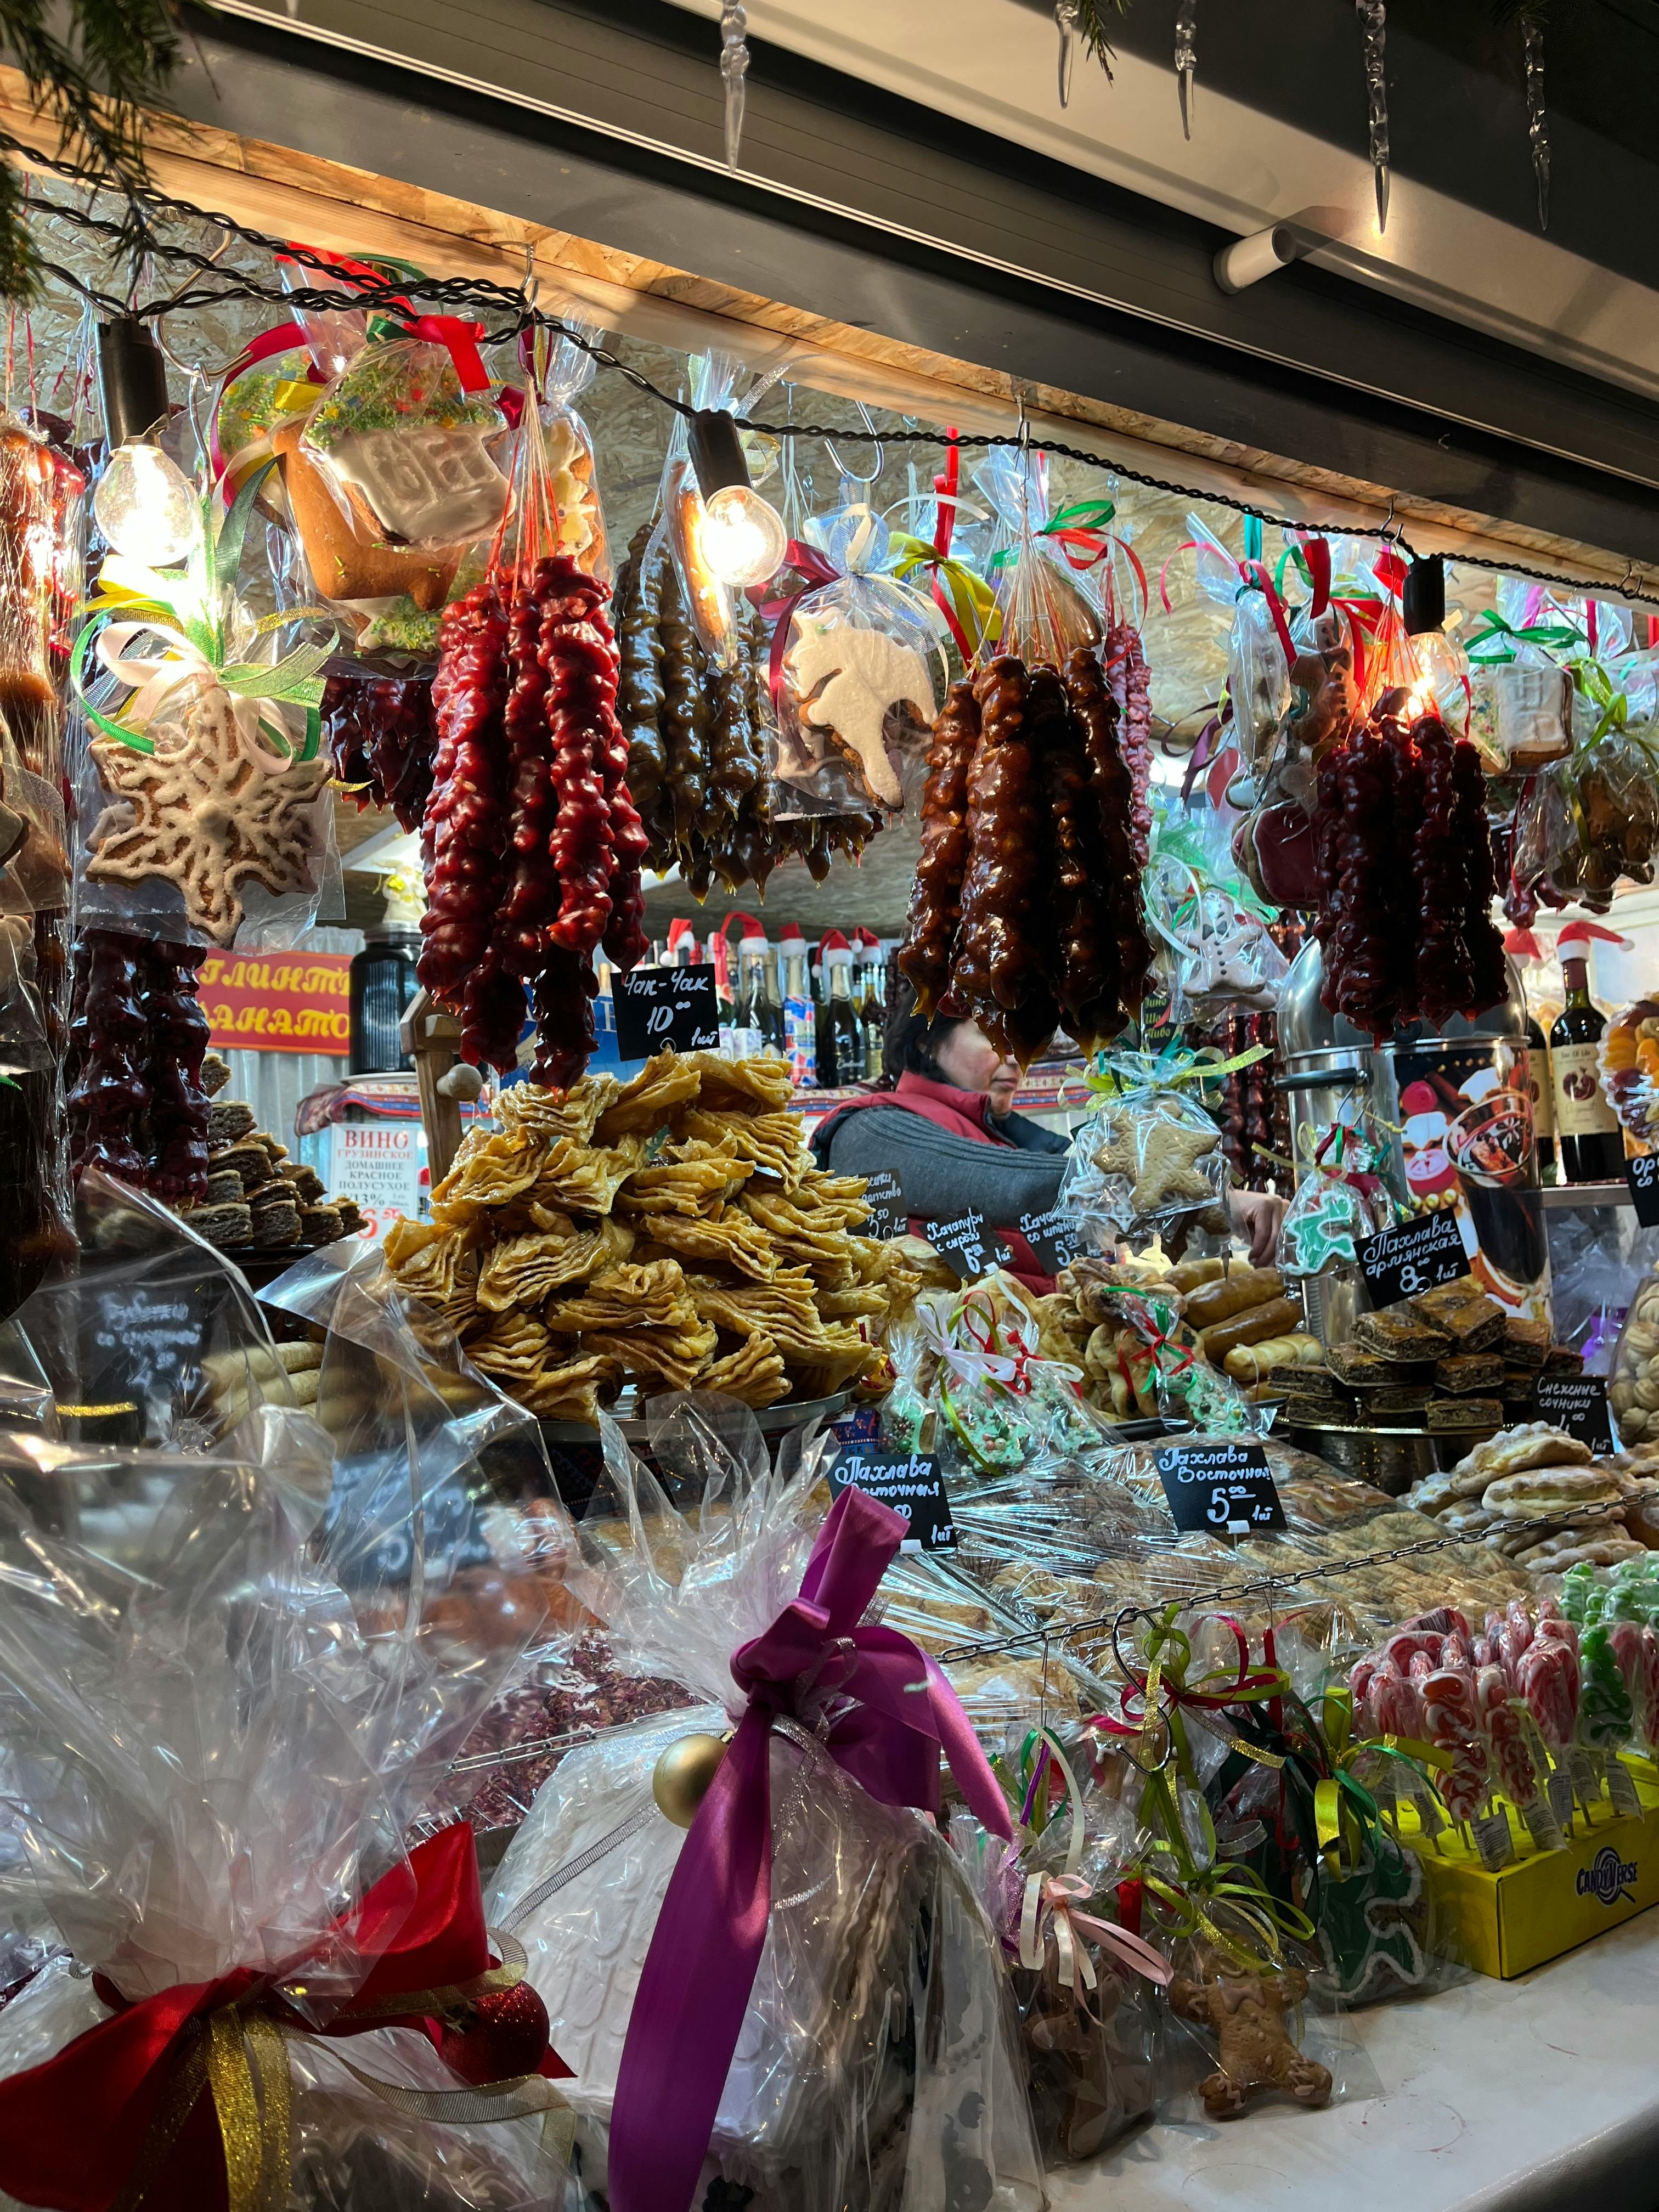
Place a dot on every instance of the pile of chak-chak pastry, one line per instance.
(1026, 912)
(671, 1232)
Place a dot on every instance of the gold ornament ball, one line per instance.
(680, 1779)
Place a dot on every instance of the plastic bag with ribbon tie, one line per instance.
(207, 787)
(1149, 1155)
(1083, 1981)
(265, 2001)
(854, 662)
(1000, 1401)
(738, 2000)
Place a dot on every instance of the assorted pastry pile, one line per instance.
(670, 1232)
(1026, 910)
(1535, 1495)
(255, 1199)
(1450, 1362)
(1237, 1319)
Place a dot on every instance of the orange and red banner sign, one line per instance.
(278, 1001)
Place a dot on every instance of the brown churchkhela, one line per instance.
(1026, 910)
(697, 735)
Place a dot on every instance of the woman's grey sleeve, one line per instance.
(941, 1176)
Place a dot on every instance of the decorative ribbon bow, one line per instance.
(191, 614)
(814, 570)
(162, 2102)
(1159, 1696)
(1049, 1910)
(888, 1713)
(1117, 1073)
(961, 593)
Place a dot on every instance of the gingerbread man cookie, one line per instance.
(1246, 2014)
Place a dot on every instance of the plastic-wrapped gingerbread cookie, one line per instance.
(1248, 2014)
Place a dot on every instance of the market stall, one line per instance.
(611, 1660)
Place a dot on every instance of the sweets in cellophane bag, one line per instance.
(856, 658)
(1148, 1156)
(1043, 611)
(816, 2097)
(1215, 949)
(996, 1398)
(264, 1670)
(1084, 1984)
(566, 374)
(1340, 1199)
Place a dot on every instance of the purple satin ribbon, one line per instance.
(810, 565)
(899, 1714)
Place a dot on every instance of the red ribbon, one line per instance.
(363, 274)
(812, 568)
(1275, 607)
(72, 2129)
(460, 340)
(1244, 1684)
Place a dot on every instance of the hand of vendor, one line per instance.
(1256, 1216)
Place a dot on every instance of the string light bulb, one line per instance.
(741, 538)
(146, 506)
(144, 503)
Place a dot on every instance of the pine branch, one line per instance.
(1528, 13)
(1093, 15)
(113, 61)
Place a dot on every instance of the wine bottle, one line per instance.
(1543, 1102)
(840, 1033)
(1587, 1128)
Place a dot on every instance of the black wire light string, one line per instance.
(223, 287)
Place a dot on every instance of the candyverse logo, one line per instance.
(1608, 1878)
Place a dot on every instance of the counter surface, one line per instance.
(1536, 2095)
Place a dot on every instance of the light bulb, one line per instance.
(146, 506)
(742, 539)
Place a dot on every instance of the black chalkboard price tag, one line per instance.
(1415, 1256)
(1054, 1237)
(1227, 1489)
(1579, 1404)
(1643, 1177)
(661, 1007)
(910, 1483)
(885, 1200)
(967, 1246)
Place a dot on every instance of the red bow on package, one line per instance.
(183, 2098)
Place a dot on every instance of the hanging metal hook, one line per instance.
(853, 476)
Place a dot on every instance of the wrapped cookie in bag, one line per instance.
(1149, 1155)
(203, 776)
(741, 1898)
(1340, 1201)
(264, 1677)
(856, 660)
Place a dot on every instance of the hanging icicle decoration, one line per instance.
(1538, 122)
(1374, 22)
(1066, 16)
(734, 68)
(1186, 59)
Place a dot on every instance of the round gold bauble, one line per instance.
(680, 1779)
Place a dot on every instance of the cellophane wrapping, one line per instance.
(875, 2065)
(575, 487)
(230, 1678)
(858, 691)
(1091, 2053)
(42, 527)
(1141, 1164)
(1044, 611)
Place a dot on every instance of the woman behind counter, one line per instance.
(949, 1132)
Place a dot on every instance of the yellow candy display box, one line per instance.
(1544, 1902)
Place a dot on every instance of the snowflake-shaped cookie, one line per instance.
(208, 811)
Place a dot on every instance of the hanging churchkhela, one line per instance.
(1026, 908)
(531, 843)
(1405, 874)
